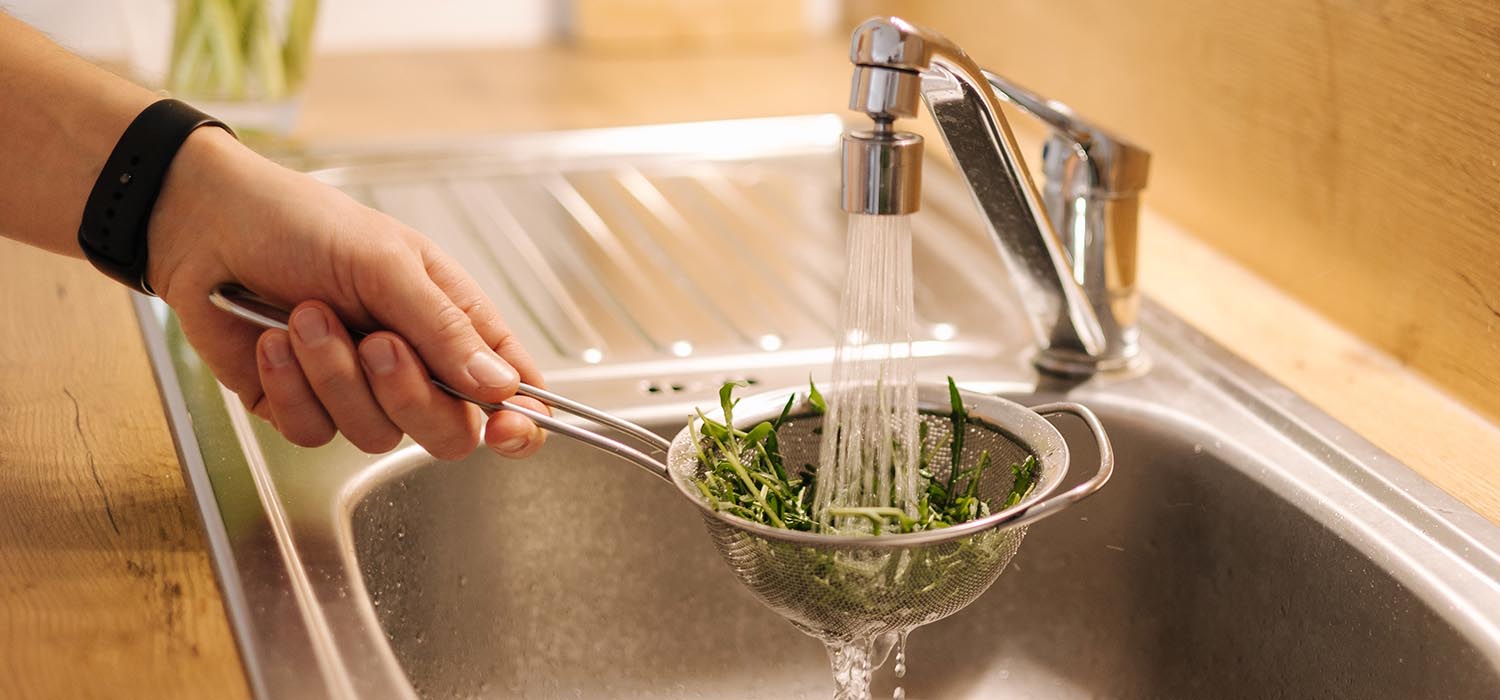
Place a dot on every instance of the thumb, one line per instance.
(412, 305)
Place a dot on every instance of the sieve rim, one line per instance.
(1025, 427)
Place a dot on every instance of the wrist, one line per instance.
(187, 210)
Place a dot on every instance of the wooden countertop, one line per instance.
(105, 583)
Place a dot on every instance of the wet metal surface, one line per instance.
(1248, 545)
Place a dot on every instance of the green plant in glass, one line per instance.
(241, 50)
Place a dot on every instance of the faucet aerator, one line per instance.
(882, 171)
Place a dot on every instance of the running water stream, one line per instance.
(869, 451)
(868, 457)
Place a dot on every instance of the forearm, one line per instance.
(60, 117)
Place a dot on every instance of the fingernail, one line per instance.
(379, 355)
(512, 445)
(278, 351)
(488, 371)
(310, 325)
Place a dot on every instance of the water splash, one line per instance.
(852, 667)
(855, 662)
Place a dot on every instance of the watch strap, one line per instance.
(113, 231)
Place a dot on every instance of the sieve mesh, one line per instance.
(843, 588)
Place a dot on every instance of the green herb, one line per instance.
(1025, 479)
(745, 474)
(815, 398)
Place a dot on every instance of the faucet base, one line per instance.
(1072, 364)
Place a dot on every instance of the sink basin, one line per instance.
(1185, 577)
(1247, 546)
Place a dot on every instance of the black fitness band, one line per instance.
(113, 232)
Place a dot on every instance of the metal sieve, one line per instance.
(841, 588)
(850, 587)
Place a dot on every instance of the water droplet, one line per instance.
(900, 667)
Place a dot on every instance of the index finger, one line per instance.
(466, 294)
(403, 298)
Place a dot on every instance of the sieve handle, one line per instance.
(1059, 501)
(247, 305)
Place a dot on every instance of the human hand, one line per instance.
(226, 214)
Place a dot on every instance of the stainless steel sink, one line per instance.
(1248, 546)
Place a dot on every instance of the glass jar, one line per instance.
(243, 61)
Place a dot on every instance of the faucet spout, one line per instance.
(1072, 297)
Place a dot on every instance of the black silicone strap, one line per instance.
(113, 231)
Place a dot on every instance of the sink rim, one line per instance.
(1445, 552)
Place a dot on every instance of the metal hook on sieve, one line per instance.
(1057, 502)
(247, 305)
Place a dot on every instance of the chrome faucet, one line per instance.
(1079, 288)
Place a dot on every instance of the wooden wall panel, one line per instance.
(1348, 151)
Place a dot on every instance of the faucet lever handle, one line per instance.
(1120, 166)
(1051, 112)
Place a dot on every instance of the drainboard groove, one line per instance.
(755, 308)
(481, 203)
(669, 261)
(770, 247)
(551, 230)
(670, 322)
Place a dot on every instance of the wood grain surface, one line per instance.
(1348, 152)
(105, 586)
